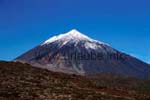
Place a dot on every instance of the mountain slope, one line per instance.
(76, 53)
(24, 82)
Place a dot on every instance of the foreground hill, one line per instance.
(23, 82)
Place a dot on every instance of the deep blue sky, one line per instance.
(124, 24)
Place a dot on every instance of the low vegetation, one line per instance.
(23, 82)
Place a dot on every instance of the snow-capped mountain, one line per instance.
(76, 53)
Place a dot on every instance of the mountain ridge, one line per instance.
(73, 45)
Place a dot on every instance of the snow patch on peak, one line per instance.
(74, 32)
(89, 45)
(73, 36)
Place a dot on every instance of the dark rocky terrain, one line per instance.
(23, 82)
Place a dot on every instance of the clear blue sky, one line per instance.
(124, 24)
